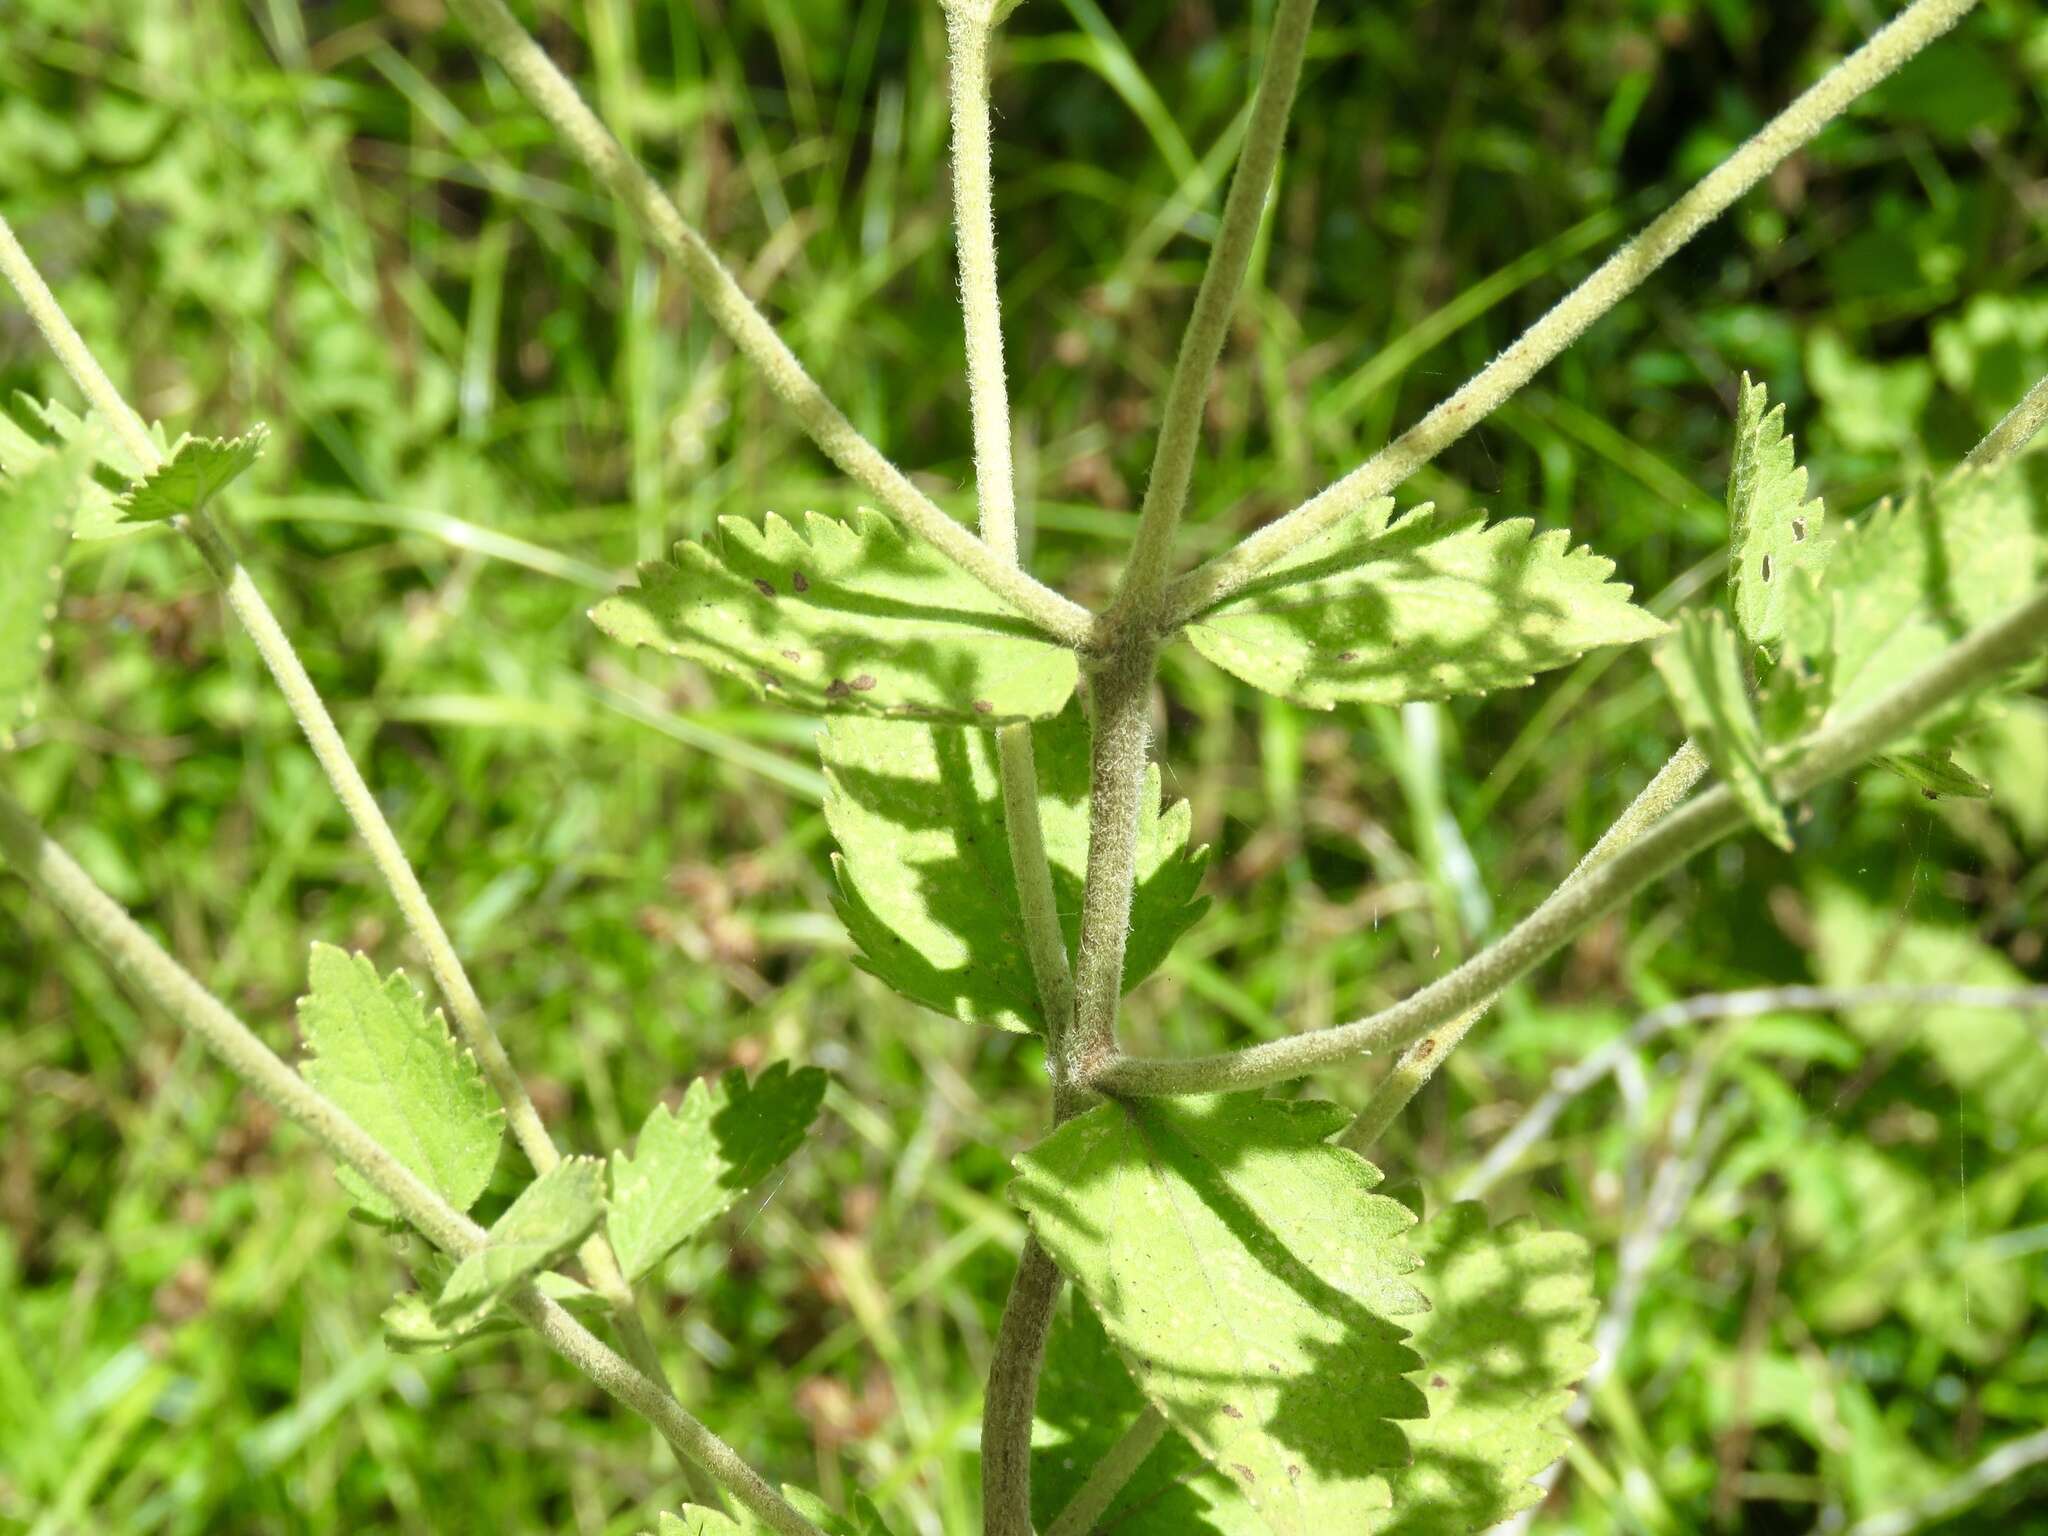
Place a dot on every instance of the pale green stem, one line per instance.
(2015, 431)
(247, 603)
(1913, 29)
(152, 971)
(1180, 429)
(556, 99)
(1118, 1466)
(1667, 788)
(2019, 635)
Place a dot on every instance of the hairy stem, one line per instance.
(1012, 1395)
(1913, 29)
(1180, 429)
(1396, 1091)
(556, 99)
(245, 599)
(2015, 430)
(151, 971)
(2017, 636)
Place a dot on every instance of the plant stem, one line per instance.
(246, 601)
(153, 972)
(1180, 428)
(556, 99)
(2015, 430)
(1118, 1466)
(1657, 799)
(1913, 29)
(2016, 636)
(1011, 1398)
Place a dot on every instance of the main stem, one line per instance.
(154, 973)
(1913, 29)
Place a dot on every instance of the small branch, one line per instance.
(1180, 429)
(556, 99)
(1913, 29)
(1567, 1083)
(2018, 636)
(2015, 431)
(1117, 1467)
(1012, 1395)
(151, 971)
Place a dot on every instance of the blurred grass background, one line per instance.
(488, 399)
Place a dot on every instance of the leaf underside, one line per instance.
(843, 619)
(690, 1164)
(1428, 607)
(1773, 532)
(541, 1227)
(196, 470)
(1247, 1274)
(36, 503)
(926, 887)
(395, 1070)
(32, 429)
(410, 1326)
(1702, 668)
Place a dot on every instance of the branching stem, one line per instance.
(2015, 430)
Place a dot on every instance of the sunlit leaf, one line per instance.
(1773, 530)
(843, 619)
(32, 429)
(541, 1227)
(198, 469)
(1703, 670)
(1247, 1273)
(36, 506)
(1434, 605)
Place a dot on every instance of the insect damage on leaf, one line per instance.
(398, 1073)
(926, 886)
(843, 619)
(1427, 607)
(197, 470)
(1249, 1276)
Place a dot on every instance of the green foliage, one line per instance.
(1435, 605)
(32, 429)
(1773, 531)
(36, 501)
(1703, 670)
(398, 1073)
(1503, 1342)
(410, 1326)
(1936, 773)
(864, 1520)
(691, 1163)
(925, 882)
(1248, 1275)
(540, 1228)
(843, 618)
(696, 1520)
(196, 470)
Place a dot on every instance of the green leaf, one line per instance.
(1702, 668)
(925, 882)
(863, 1519)
(1425, 608)
(36, 504)
(1505, 1338)
(690, 1164)
(1086, 1400)
(845, 620)
(696, 1520)
(1247, 1273)
(32, 430)
(198, 470)
(551, 1216)
(410, 1326)
(398, 1074)
(1772, 530)
(1934, 774)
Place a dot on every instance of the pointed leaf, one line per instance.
(36, 504)
(843, 619)
(1505, 1339)
(32, 429)
(926, 886)
(1934, 773)
(1247, 1273)
(689, 1165)
(1425, 608)
(198, 470)
(551, 1216)
(376, 1052)
(1772, 530)
(1703, 670)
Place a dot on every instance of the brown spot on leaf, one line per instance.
(792, 655)
(837, 689)
(798, 580)
(763, 586)
(984, 706)
(1425, 1048)
(1231, 1410)
(1243, 1471)
(1293, 1473)
(863, 683)
(1438, 1382)
(1347, 655)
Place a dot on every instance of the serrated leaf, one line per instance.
(844, 620)
(197, 470)
(1934, 773)
(1505, 1339)
(926, 886)
(1086, 1400)
(541, 1227)
(398, 1073)
(690, 1164)
(36, 504)
(1702, 668)
(410, 1326)
(32, 429)
(1772, 530)
(862, 1519)
(696, 1520)
(1247, 1273)
(1435, 605)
